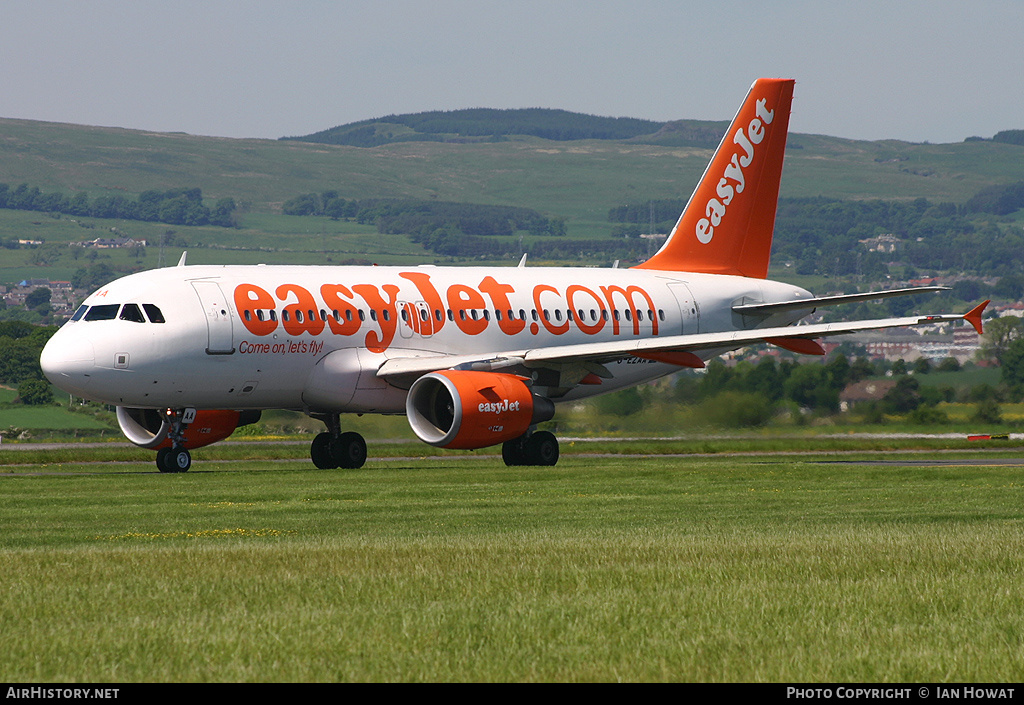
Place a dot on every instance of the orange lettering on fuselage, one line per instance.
(387, 315)
(610, 291)
(435, 318)
(249, 297)
(465, 302)
(346, 320)
(601, 311)
(300, 317)
(466, 305)
(544, 313)
(503, 308)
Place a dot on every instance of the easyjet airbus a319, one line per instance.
(473, 356)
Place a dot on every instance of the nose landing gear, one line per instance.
(176, 458)
(173, 460)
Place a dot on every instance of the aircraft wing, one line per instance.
(798, 338)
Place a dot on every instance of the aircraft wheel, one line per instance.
(542, 449)
(320, 452)
(349, 450)
(161, 460)
(181, 459)
(514, 452)
(176, 460)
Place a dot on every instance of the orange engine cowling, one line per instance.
(149, 428)
(465, 409)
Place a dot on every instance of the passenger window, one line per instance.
(131, 312)
(106, 312)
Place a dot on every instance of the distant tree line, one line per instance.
(822, 235)
(482, 123)
(1010, 137)
(443, 227)
(20, 345)
(998, 200)
(180, 206)
(413, 216)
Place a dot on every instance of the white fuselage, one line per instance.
(257, 337)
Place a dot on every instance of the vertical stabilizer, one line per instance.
(727, 226)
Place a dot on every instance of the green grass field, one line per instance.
(735, 567)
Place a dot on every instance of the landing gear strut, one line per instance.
(537, 448)
(176, 458)
(334, 449)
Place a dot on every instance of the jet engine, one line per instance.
(466, 409)
(150, 428)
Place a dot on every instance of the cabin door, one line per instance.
(220, 336)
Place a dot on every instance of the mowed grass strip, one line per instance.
(600, 569)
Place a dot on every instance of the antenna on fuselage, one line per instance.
(181, 262)
(522, 262)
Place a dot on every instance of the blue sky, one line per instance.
(936, 71)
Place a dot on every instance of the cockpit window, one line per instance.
(131, 312)
(155, 315)
(80, 312)
(105, 312)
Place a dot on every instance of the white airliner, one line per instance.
(474, 356)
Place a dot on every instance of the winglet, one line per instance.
(974, 315)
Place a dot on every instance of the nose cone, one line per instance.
(68, 362)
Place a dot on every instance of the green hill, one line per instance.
(482, 124)
(576, 179)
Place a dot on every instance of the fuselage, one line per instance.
(312, 337)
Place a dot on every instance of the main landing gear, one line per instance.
(176, 458)
(537, 448)
(334, 449)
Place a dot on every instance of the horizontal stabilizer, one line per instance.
(768, 309)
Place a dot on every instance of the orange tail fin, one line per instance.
(727, 226)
